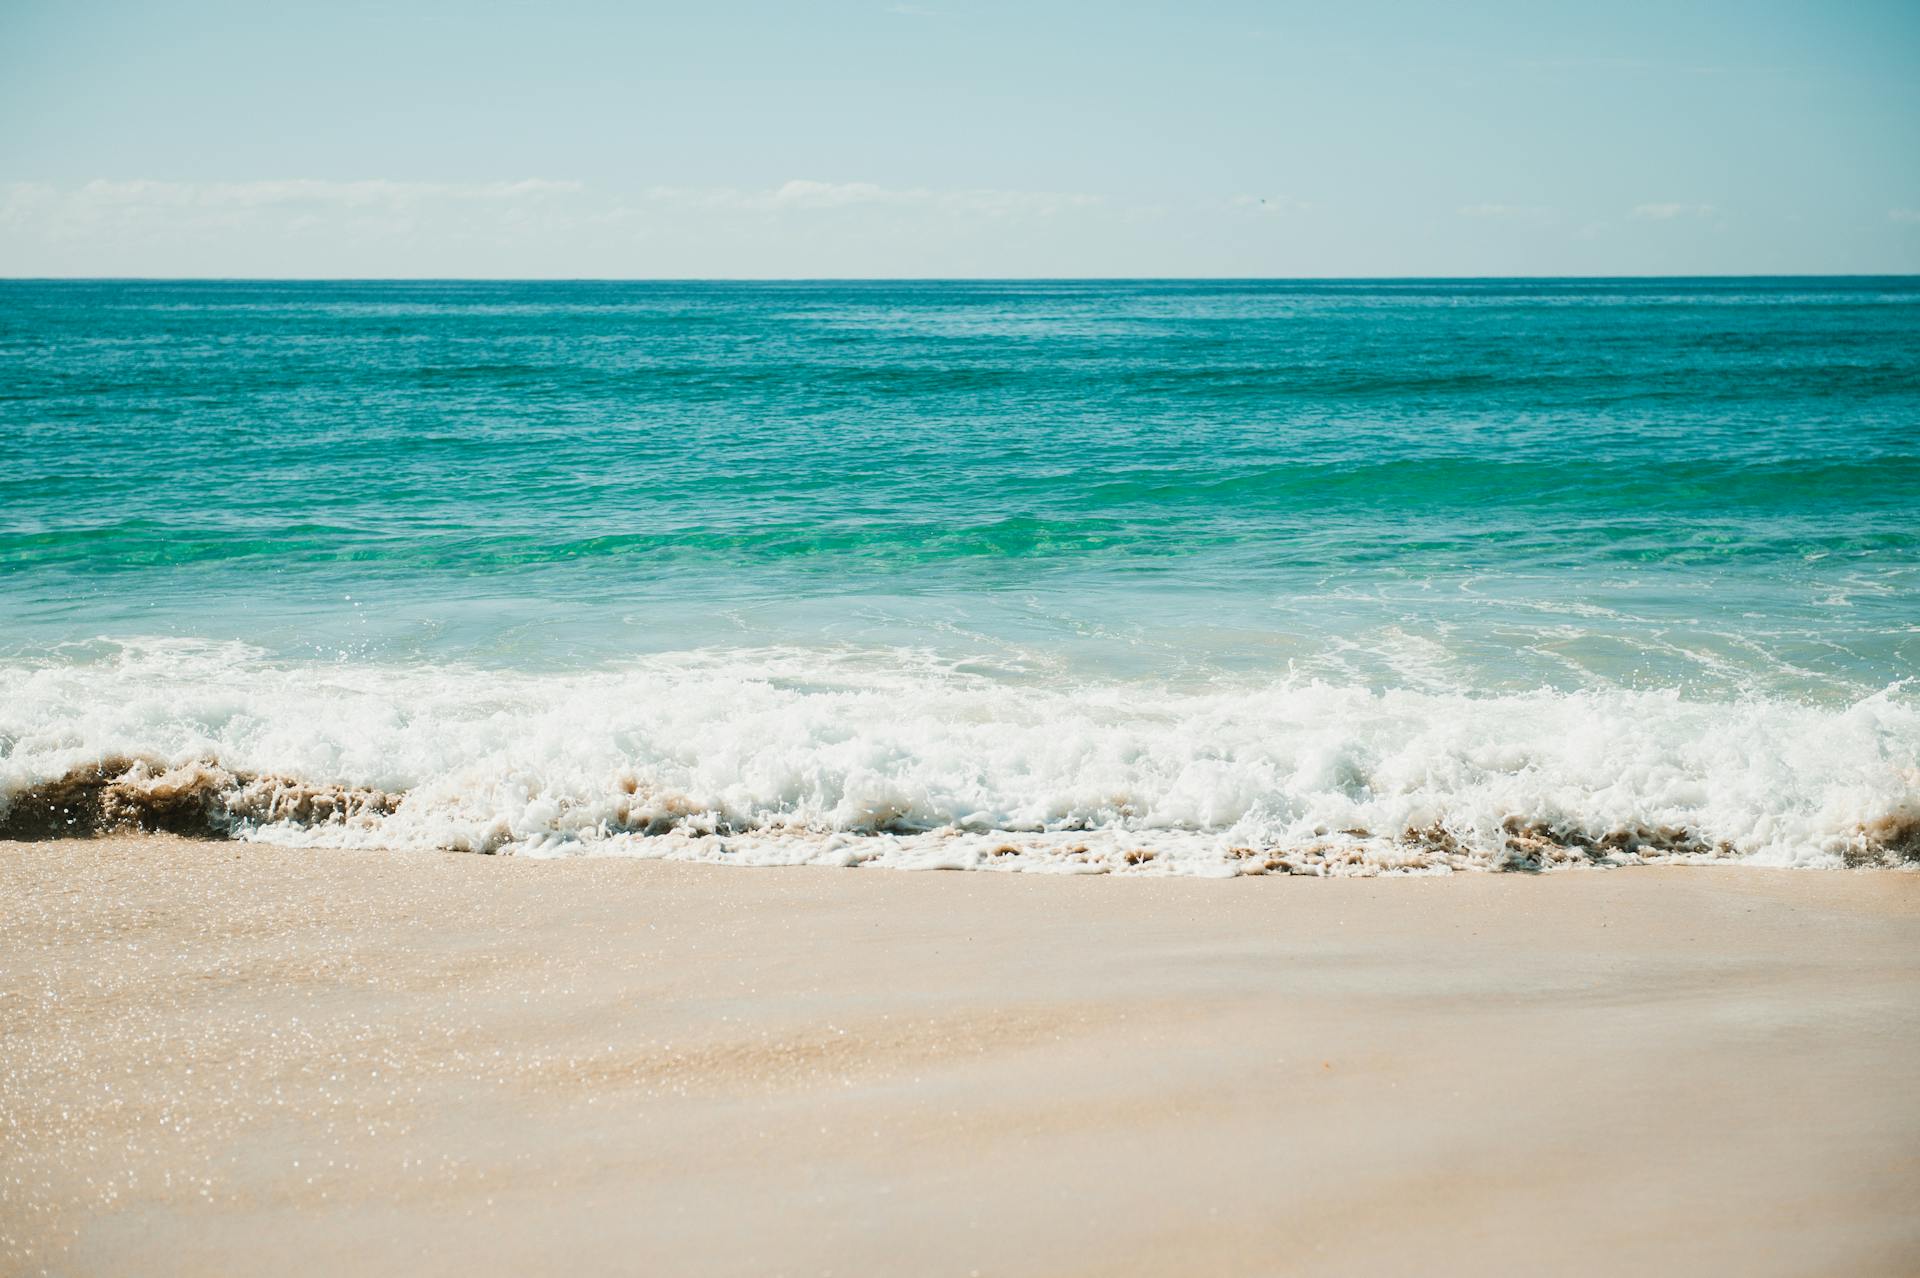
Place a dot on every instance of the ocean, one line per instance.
(1139, 577)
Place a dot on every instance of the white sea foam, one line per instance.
(777, 757)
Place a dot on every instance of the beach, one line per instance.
(1048, 641)
(226, 1057)
(1218, 633)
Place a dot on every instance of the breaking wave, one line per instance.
(904, 759)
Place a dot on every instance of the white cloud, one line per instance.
(380, 206)
(1270, 205)
(310, 191)
(1668, 212)
(1903, 215)
(145, 206)
(802, 193)
(992, 203)
(114, 214)
(806, 194)
(1506, 212)
(380, 226)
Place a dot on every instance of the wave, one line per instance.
(905, 759)
(1155, 507)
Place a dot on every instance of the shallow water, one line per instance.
(1355, 574)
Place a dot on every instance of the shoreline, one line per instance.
(133, 797)
(231, 1056)
(789, 755)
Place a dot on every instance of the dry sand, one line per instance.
(228, 1058)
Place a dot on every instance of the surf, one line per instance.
(901, 758)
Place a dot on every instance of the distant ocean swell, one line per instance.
(901, 759)
(1624, 511)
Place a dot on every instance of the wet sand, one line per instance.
(227, 1058)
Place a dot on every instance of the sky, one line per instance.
(954, 138)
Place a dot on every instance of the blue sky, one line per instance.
(953, 138)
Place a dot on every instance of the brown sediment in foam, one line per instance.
(1892, 840)
(202, 798)
(197, 798)
(1533, 846)
(1540, 844)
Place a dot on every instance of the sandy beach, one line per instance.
(232, 1058)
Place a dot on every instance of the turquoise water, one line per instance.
(859, 522)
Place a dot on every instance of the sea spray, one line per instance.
(780, 756)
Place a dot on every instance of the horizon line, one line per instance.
(940, 279)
